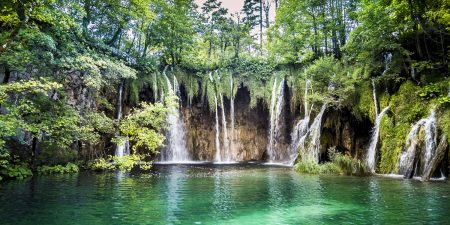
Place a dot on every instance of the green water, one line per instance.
(222, 195)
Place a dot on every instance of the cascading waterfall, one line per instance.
(176, 150)
(124, 148)
(372, 150)
(430, 137)
(407, 157)
(313, 150)
(226, 147)
(275, 120)
(298, 135)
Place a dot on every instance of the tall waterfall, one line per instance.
(276, 108)
(407, 157)
(226, 146)
(124, 148)
(232, 116)
(298, 135)
(272, 119)
(372, 150)
(218, 157)
(176, 150)
(218, 152)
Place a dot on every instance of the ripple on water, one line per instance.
(220, 194)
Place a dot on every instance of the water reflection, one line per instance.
(175, 183)
(275, 196)
(221, 195)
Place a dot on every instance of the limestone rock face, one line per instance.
(250, 141)
(340, 129)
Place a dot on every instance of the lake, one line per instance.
(221, 194)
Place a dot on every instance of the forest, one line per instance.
(109, 84)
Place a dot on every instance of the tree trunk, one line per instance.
(440, 153)
(260, 25)
(115, 36)
(87, 17)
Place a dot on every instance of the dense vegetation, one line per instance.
(63, 60)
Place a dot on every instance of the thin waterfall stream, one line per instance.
(121, 149)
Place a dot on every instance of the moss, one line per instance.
(406, 109)
(444, 122)
(364, 105)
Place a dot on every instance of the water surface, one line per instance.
(221, 194)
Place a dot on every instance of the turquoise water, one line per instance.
(233, 194)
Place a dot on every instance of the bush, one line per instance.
(68, 168)
(309, 167)
(100, 164)
(13, 168)
(339, 164)
(124, 163)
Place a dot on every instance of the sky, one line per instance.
(233, 6)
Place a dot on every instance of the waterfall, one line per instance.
(300, 130)
(275, 120)
(218, 153)
(298, 138)
(155, 87)
(124, 148)
(176, 150)
(430, 137)
(372, 150)
(313, 150)
(407, 157)
(272, 119)
(226, 147)
(375, 101)
(232, 116)
(387, 62)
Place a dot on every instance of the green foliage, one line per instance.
(339, 164)
(30, 108)
(12, 167)
(58, 169)
(436, 91)
(124, 163)
(309, 167)
(143, 125)
(100, 164)
(346, 164)
(94, 125)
